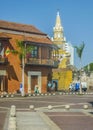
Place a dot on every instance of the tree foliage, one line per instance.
(89, 67)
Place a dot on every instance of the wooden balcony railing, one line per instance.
(3, 60)
(46, 62)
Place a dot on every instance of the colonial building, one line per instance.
(39, 64)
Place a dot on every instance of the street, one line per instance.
(76, 118)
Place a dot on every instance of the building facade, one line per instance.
(70, 50)
(38, 64)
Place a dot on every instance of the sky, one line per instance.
(76, 18)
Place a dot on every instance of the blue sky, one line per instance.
(76, 17)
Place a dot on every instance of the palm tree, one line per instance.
(79, 51)
(21, 52)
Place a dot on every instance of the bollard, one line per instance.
(29, 94)
(12, 95)
(34, 95)
(49, 94)
(2, 96)
(7, 95)
(31, 107)
(50, 107)
(85, 107)
(67, 107)
(54, 94)
(38, 94)
(60, 93)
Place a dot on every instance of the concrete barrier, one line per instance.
(12, 123)
(12, 119)
(13, 111)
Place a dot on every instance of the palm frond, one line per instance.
(15, 52)
(29, 49)
(79, 49)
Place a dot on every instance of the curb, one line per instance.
(44, 94)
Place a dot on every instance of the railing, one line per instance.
(47, 62)
(3, 60)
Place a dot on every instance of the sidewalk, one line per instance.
(35, 121)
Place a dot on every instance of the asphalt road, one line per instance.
(66, 120)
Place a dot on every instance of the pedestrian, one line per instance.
(49, 86)
(36, 89)
(70, 87)
(53, 86)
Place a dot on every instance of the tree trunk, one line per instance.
(23, 65)
(80, 78)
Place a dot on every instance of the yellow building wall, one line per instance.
(64, 78)
(63, 62)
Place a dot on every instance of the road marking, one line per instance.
(3, 111)
(56, 106)
(67, 115)
(4, 107)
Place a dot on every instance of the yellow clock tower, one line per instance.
(58, 32)
(60, 41)
(62, 75)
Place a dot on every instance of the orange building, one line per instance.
(38, 67)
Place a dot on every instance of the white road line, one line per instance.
(68, 115)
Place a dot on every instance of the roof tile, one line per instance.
(19, 27)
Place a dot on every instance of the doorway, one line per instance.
(34, 81)
(34, 78)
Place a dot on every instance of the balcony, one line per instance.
(3, 60)
(41, 62)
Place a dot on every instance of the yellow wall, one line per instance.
(64, 78)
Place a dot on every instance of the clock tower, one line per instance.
(58, 32)
(62, 75)
(59, 40)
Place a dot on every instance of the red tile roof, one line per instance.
(40, 37)
(43, 40)
(19, 27)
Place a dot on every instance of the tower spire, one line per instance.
(58, 31)
(58, 20)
